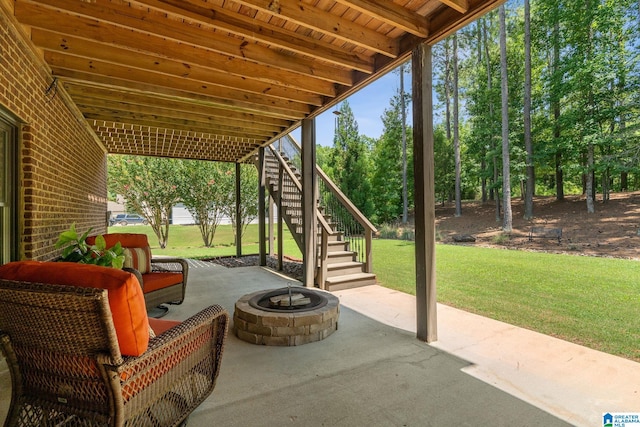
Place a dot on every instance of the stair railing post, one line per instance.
(368, 239)
(261, 208)
(270, 222)
(238, 202)
(280, 213)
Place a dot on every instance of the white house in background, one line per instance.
(179, 213)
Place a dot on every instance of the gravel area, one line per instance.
(291, 267)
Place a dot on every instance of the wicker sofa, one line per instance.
(81, 350)
(163, 280)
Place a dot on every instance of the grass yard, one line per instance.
(586, 300)
(185, 241)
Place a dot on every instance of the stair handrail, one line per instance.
(353, 210)
(323, 226)
(321, 221)
(284, 165)
(368, 227)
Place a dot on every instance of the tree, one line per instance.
(531, 178)
(444, 164)
(150, 188)
(206, 189)
(349, 161)
(405, 193)
(387, 164)
(456, 128)
(506, 173)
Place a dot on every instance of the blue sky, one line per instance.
(367, 105)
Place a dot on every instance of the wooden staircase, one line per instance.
(338, 268)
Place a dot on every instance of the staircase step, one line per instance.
(337, 246)
(340, 257)
(348, 281)
(342, 268)
(336, 236)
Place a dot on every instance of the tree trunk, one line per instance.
(589, 176)
(590, 146)
(456, 133)
(483, 162)
(493, 191)
(556, 112)
(447, 88)
(405, 200)
(531, 178)
(495, 194)
(507, 226)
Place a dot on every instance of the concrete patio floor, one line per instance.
(374, 372)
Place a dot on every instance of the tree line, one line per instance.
(152, 186)
(537, 98)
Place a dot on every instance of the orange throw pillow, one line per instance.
(124, 292)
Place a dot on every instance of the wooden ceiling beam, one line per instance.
(461, 6)
(83, 80)
(391, 13)
(187, 58)
(77, 50)
(192, 41)
(198, 98)
(327, 23)
(251, 29)
(100, 94)
(199, 31)
(85, 68)
(448, 20)
(305, 75)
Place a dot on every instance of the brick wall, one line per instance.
(62, 166)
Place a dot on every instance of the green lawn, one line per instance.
(586, 300)
(185, 241)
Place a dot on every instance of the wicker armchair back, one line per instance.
(66, 367)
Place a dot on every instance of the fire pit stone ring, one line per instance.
(257, 322)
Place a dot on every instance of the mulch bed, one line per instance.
(291, 266)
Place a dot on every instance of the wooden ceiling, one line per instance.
(216, 79)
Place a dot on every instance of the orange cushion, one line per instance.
(138, 258)
(127, 240)
(155, 281)
(160, 325)
(124, 292)
(134, 382)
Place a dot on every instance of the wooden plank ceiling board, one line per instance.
(217, 79)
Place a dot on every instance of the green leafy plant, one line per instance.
(76, 249)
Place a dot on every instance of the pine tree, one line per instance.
(349, 161)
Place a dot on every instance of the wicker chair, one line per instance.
(64, 354)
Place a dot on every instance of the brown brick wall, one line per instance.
(62, 166)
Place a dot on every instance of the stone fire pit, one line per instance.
(286, 316)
